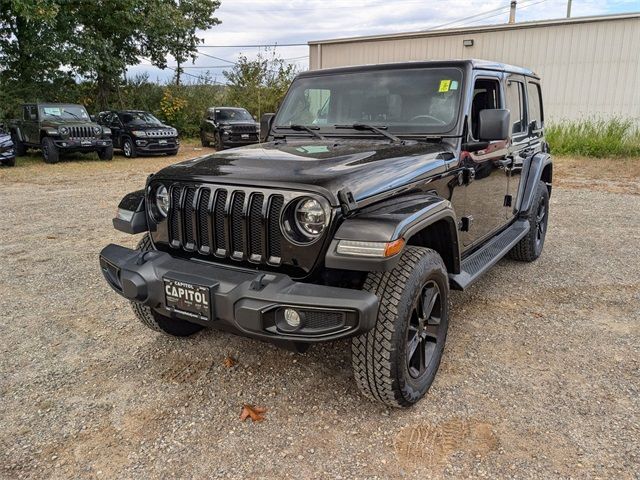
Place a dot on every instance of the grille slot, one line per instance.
(275, 244)
(187, 215)
(256, 251)
(226, 222)
(237, 225)
(203, 220)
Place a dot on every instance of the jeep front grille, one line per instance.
(81, 132)
(226, 222)
(243, 129)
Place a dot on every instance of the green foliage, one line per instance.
(259, 85)
(46, 43)
(595, 138)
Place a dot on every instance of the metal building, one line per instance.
(590, 66)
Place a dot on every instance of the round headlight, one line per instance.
(310, 217)
(97, 130)
(162, 200)
(63, 130)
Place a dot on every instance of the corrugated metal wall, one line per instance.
(587, 69)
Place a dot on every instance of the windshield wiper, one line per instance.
(304, 128)
(379, 130)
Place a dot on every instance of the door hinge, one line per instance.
(347, 202)
(507, 200)
(465, 223)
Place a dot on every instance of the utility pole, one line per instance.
(568, 8)
(512, 12)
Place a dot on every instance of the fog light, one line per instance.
(292, 317)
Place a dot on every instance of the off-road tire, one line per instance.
(129, 148)
(21, 149)
(379, 356)
(155, 321)
(219, 144)
(50, 152)
(10, 163)
(203, 141)
(106, 153)
(530, 247)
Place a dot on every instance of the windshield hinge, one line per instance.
(347, 202)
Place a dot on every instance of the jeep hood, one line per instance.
(67, 123)
(365, 168)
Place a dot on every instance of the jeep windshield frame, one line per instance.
(406, 101)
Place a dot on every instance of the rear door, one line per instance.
(30, 128)
(524, 100)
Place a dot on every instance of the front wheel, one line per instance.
(396, 362)
(106, 153)
(155, 321)
(219, 144)
(203, 139)
(128, 148)
(50, 152)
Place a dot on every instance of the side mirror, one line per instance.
(92, 118)
(495, 124)
(265, 126)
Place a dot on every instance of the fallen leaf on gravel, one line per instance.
(51, 237)
(255, 413)
(229, 361)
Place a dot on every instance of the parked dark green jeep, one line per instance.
(57, 128)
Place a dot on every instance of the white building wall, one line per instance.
(589, 67)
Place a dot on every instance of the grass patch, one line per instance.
(595, 138)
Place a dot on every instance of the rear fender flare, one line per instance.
(398, 218)
(537, 164)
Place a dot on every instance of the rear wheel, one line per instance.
(50, 152)
(128, 148)
(155, 321)
(396, 362)
(106, 153)
(530, 247)
(21, 149)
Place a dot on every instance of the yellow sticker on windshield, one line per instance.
(444, 86)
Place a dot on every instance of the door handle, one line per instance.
(505, 162)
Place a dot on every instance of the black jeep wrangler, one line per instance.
(378, 189)
(57, 128)
(228, 127)
(137, 132)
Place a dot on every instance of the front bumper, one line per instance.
(167, 145)
(82, 144)
(248, 302)
(236, 140)
(7, 154)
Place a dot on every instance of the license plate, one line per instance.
(188, 299)
(244, 136)
(162, 142)
(85, 142)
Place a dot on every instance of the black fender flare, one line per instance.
(132, 216)
(388, 221)
(537, 164)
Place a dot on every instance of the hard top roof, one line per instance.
(475, 64)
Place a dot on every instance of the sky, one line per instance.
(253, 22)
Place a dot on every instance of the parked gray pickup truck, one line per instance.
(57, 128)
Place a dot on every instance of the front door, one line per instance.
(487, 170)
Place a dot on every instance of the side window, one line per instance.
(516, 105)
(486, 96)
(536, 114)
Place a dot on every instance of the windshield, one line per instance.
(406, 100)
(64, 112)
(233, 115)
(139, 118)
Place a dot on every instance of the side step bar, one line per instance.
(488, 255)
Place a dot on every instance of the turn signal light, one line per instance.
(370, 249)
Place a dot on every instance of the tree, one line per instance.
(260, 84)
(97, 39)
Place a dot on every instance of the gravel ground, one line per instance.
(540, 376)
